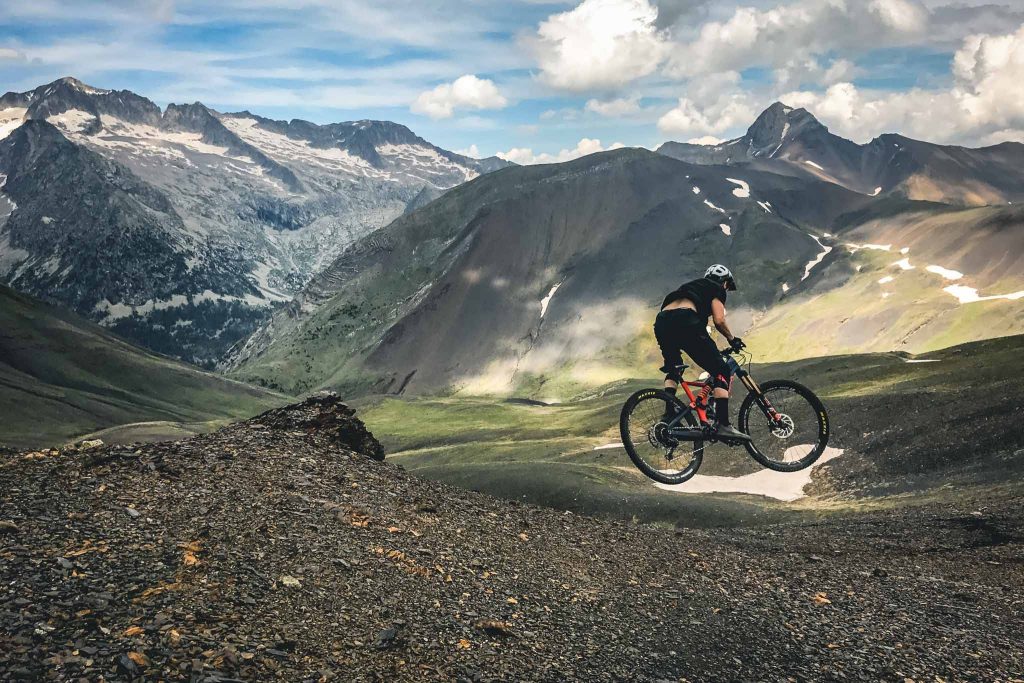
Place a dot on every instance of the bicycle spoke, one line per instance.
(648, 436)
(792, 438)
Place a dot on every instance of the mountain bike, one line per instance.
(787, 424)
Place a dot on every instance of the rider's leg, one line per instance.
(700, 347)
(666, 331)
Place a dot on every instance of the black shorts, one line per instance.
(681, 329)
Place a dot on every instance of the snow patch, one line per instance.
(969, 295)
(10, 119)
(876, 247)
(885, 280)
(920, 360)
(811, 163)
(608, 446)
(877, 191)
(743, 191)
(785, 287)
(725, 228)
(708, 202)
(947, 273)
(547, 300)
(904, 264)
(46, 220)
(905, 250)
(784, 486)
(696, 190)
(72, 120)
(817, 259)
(766, 206)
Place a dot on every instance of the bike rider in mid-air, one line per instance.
(682, 325)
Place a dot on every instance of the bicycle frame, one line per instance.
(695, 404)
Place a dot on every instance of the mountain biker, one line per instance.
(681, 325)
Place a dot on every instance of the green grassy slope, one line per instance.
(907, 428)
(62, 376)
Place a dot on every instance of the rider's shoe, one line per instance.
(730, 432)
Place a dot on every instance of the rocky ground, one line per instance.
(270, 550)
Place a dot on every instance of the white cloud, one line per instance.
(619, 107)
(10, 53)
(471, 151)
(466, 92)
(525, 155)
(984, 105)
(690, 117)
(907, 16)
(600, 44)
(797, 31)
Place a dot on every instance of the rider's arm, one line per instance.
(718, 315)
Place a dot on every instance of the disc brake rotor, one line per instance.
(785, 427)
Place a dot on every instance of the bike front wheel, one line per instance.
(795, 437)
(647, 440)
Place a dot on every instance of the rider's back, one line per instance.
(701, 292)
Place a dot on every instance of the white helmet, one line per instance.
(722, 275)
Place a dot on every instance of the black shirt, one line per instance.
(700, 292)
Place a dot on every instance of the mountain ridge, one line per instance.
(252, 207)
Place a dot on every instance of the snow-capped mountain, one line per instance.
(181, 228)
(788, 140)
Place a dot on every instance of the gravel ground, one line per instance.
(266, 551)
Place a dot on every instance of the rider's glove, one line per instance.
(737, 344)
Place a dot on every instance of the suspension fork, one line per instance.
(762, 400)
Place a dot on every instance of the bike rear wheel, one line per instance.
(645, 437)
(804, 431)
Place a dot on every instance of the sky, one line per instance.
(547, 80)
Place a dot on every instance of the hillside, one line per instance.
(268, 550)
(183, 228)
(530, 270)
(792, 142)
(62, 376)
(899, 428)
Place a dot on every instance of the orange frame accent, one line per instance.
(701, 413)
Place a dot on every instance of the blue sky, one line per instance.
(539, 81)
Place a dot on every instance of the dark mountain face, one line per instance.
(96, 238)
(530, 269)
(791, 141)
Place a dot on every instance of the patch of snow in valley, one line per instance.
(784, 486)
(817, 259)
(708, 202)
(547, 300)
(10, 119)
(743, 191)
(46, 220)
(969, 295)
(608, 446)
(10, 257)
(811, 163)
(920, 360)
(876, 247)
(766, 206)
(696, 190)
(262, 274)
(904, 264)
(72, 120)
(725, 228)
(947, 273)
(905, 250)
(887, 279)
(876, 192)
(785, 287)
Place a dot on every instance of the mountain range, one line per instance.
(359, 256)
(181, 228)
(543, 281)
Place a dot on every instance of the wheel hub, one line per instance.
(660, 438)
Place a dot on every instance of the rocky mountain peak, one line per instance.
(778, 123)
